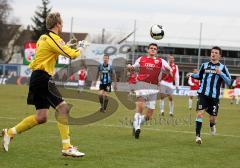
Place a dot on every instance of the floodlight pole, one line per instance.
(199, 46)
(71, 36)
(134, 42)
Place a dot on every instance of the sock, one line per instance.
(24, 125)
(171, 107)
(101, 100)
(143, 119)
(237, 100)
(137, 121)
(198, 126)
(162, 105)
(190, 103)
(80, 88)
(64, 132)
(212, 124)
(105, 102)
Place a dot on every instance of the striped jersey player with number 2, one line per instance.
(149, 73)
(211, 74)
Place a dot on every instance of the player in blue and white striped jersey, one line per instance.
(211, 75)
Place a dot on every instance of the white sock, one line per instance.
(190, 103)
(137, 121)
(171, 107)
(237, 100)
(162, 105)
(143, 119)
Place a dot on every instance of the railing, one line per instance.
(184, 59)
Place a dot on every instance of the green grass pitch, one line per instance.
(164, 142)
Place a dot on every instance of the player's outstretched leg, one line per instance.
(138, 117)
(105, 102)
(62, 118)
(199, 120)
(190, 102)
(171, 106)
(162, 107)
(212, 123)
(137, 125)
(101, 103)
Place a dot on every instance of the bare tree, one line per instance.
(5, 10)
(8, 33)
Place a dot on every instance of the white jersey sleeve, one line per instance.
(165, 67)
(234, 83)
(137, 63)
(190, 81)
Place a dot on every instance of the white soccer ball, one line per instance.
(157, 32)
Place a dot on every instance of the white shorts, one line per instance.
(149, 92)
(166, 88)
(192, 93)
(81, 82)
(236, 91)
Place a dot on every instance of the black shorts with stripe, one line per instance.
(43, 92)
(211, 105)
(105, 87)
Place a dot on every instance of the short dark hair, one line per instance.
(217, 48)
(106, 55)
(152, 44)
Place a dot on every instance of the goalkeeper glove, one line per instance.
(83, 44)
(73, 43)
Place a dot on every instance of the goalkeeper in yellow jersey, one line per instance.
(49, 47)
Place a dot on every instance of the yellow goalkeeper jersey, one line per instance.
(49, 47)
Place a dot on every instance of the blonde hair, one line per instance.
(53, 19)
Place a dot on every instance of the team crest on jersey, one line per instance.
(62, 43)
(156, 61)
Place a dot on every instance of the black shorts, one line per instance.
(209, 104)
(105, 87)
(43, 93)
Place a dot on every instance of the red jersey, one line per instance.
(150, 68)
(132, 78)
(82, 74)
(72, 77)
(237, 83)
(168, 78)
(193, 83)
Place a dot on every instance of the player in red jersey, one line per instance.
(149, 72)
(194, 85)
(82, 76)
(167, 87)
(132, 80)
(236, 94)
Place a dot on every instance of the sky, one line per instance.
(181, 19)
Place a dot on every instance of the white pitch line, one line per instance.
(167, 130)
(152, 129)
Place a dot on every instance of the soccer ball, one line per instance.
(157, 32)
